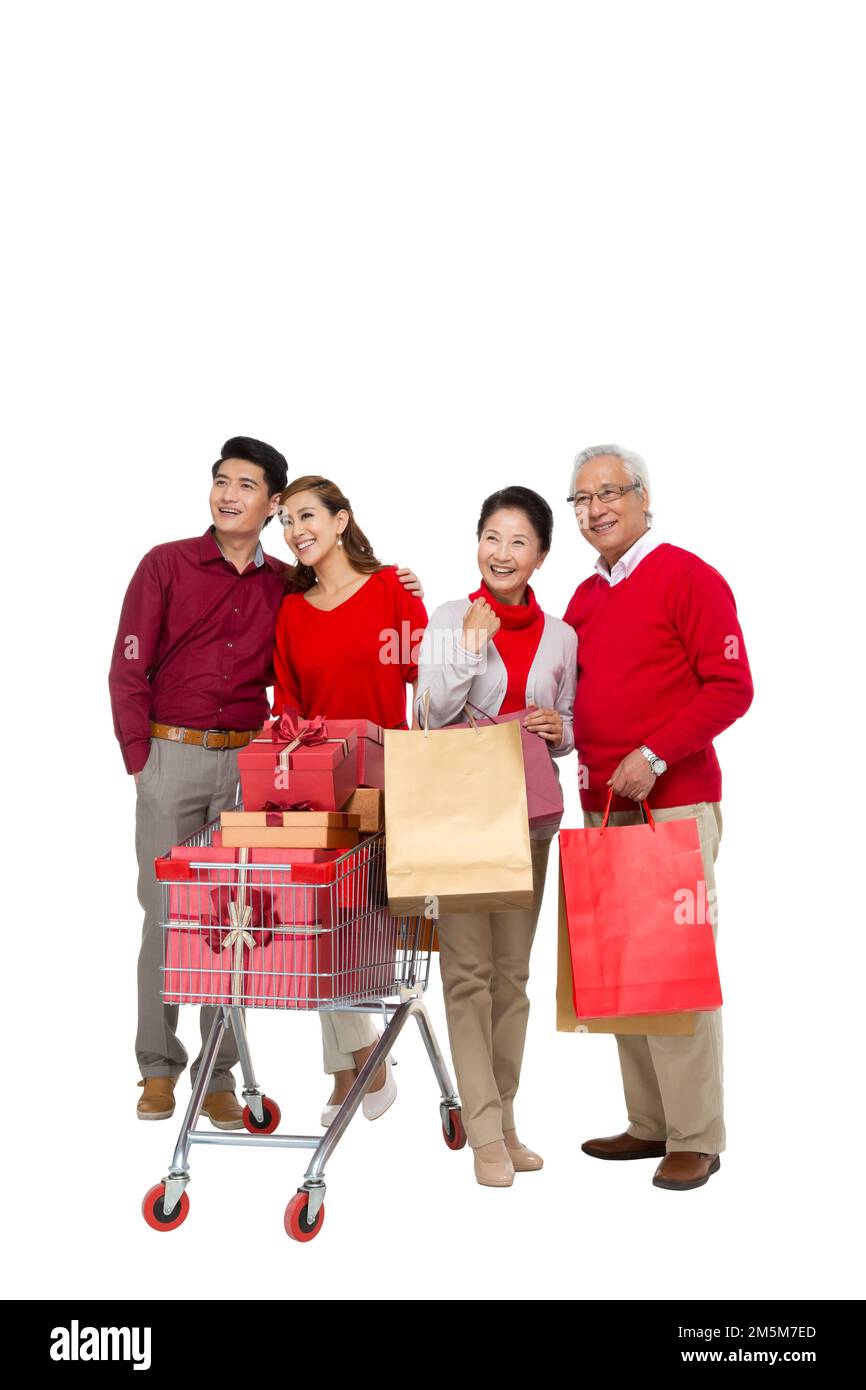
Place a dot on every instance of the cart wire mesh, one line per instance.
(300, 935)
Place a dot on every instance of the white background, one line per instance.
(430, 250)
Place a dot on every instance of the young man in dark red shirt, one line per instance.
(188, 675)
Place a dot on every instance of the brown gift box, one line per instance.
(566, 1019)
(304, 820)
(289, 836)
(367, 808)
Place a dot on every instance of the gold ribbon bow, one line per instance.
(238, 936)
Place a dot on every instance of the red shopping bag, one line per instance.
(636, 906)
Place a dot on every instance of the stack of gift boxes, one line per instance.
(268, 916)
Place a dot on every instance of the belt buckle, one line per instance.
(207, 734)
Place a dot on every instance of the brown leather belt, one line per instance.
(206, 738)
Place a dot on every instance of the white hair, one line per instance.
(634, 466)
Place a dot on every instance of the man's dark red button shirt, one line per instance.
(195, 643)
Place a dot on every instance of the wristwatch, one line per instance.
(658, 765)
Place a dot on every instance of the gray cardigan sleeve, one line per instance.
(445, 668)
(565, 692)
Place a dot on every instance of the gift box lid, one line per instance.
(313, 757)
(362, 728)
(178, 864)
(299, 820)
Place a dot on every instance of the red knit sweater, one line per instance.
(353, 661)
(660, 661)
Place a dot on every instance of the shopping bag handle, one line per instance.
(425, 713)
(645, 811)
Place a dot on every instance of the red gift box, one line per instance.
(194, 972)
(298, 760)
(275, 885)
(303, 968)
(371, 749)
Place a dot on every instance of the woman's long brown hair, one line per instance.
(359, 551)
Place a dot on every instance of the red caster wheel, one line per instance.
(453, 1131)
(295, 1219)
(270, 1121)
(154, 1215)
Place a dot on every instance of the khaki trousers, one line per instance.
(484, 960)
(181, 787)
(674, 1085)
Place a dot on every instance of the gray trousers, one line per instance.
(180, 788)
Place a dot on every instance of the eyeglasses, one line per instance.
(605, 495)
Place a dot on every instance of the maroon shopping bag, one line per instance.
(543, 792)
(639, 932)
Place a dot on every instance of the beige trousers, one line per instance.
(484, 960)
(674, 1085)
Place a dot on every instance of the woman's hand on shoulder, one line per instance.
(479, 625)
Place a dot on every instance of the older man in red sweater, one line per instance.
(661, 671)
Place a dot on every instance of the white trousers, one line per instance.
(342, 1034)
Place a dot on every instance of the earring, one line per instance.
(340, 542)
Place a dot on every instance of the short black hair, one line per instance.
(255, 451)
(525, 500)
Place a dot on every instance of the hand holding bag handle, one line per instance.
(645, 812)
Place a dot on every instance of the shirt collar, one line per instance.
(209, 549)
(628, 563)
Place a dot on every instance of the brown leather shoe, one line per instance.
(679, 1172)
(157, 1099)
(624, 1146)
(223, 1111)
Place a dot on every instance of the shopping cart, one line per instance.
(299, 936)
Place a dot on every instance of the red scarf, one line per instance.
(521, 626)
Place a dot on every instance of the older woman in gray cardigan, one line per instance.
(497, 651)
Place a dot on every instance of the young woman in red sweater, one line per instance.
(330, 658)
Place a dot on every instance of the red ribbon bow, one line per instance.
(274, 811)
(291, 728)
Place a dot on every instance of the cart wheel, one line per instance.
(453, 1131)
(154, 1214)
(295, 1219)
(270, 1121)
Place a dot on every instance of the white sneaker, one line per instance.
(375, 1103)
(328, 1114)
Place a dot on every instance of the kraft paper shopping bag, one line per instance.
(456, 823)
